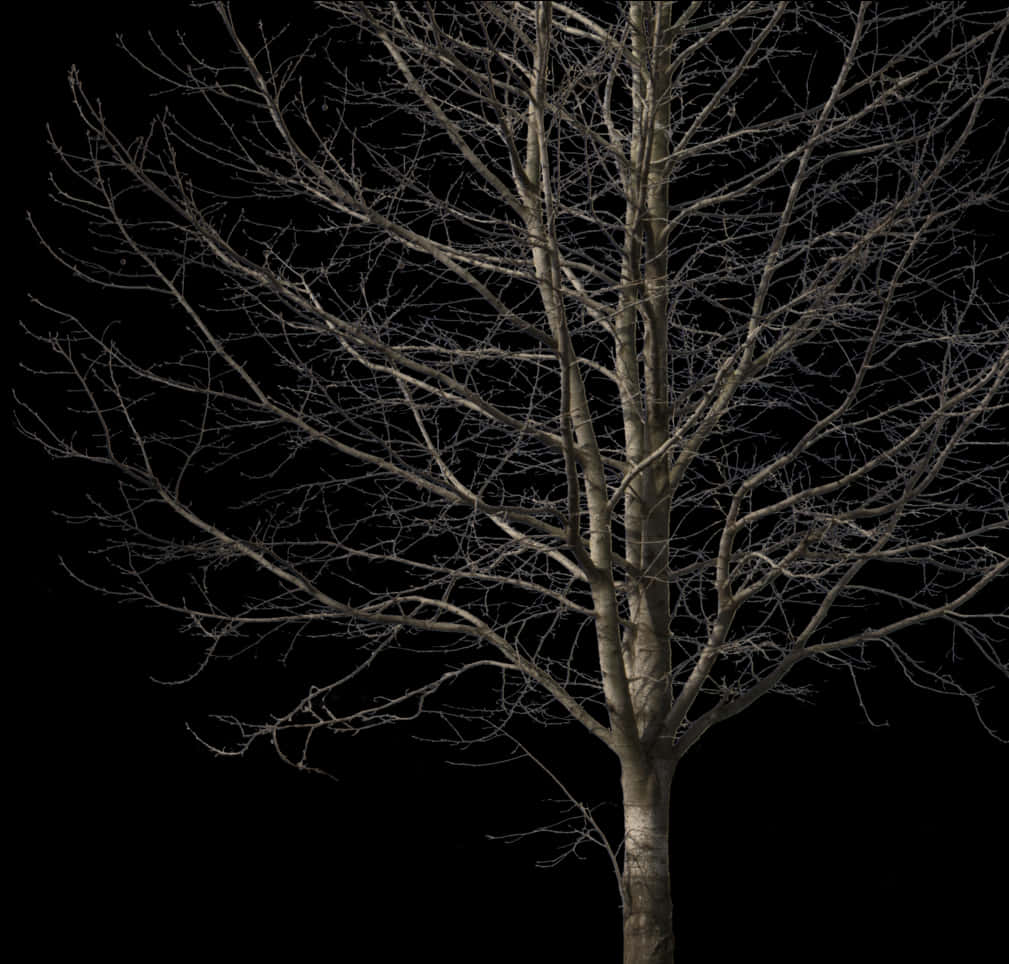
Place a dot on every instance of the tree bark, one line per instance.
(648, 905)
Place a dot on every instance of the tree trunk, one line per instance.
(648, 906)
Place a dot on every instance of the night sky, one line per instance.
(799, 831)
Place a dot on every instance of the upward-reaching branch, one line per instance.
(626, 363)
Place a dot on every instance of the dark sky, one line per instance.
(796, 829)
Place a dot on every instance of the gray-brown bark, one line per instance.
(675, 346)
(648, 909)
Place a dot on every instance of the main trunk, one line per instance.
(648, 906)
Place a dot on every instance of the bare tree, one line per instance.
(586, 367)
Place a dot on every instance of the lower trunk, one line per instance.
(648, 907)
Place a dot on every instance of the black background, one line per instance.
(799, 832)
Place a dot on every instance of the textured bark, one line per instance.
(648, 910)
(662, 329)
(648, 906)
